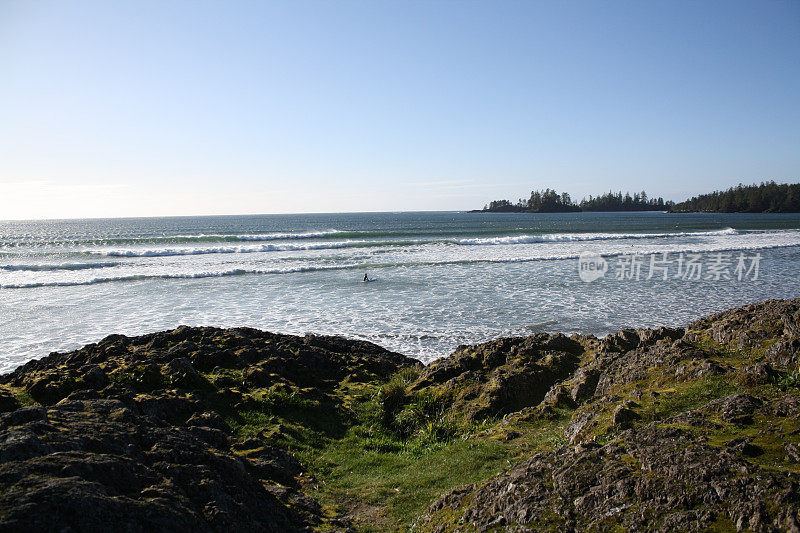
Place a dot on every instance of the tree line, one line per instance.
(550, 201)
(768, 197)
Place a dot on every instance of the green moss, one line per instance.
(222, 341)
(732, 354)
(630, 460)
(232, 373)
(141, 378)
(22, 396)
(722, 524)
(684, 397)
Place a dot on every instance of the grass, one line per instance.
(395, 480)
(685, 397)
(21, 394)
(402, 483)
(789, 380)
(400, 452)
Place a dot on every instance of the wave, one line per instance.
(194, 275)
(422, 263)
(514, 239)
(61, 266)
(167, 252)
(286, 247)
(578, 237)
(332, 238)
(175, 239)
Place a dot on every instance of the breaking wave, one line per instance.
(60, 266)
(576, 237)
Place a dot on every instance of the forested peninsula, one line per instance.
(768, 197)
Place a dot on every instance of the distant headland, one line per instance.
(768, 197)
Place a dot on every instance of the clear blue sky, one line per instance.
(129, 108)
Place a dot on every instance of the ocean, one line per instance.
(440, 279)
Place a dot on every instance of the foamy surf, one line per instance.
(44, 267)
(577, 237)
(445, 278)
(192, 275)
(169, 239)
(167, 252)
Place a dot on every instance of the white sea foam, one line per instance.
(280, 236)
(192, 275)
(444, 280)
(573, 237)
(45, 267)
(513, 239)
(430, 255)
(155, 239)
(166, 252)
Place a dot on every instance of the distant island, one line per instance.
(550, 201)
(768, 197)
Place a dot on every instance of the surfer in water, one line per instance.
(366, 278)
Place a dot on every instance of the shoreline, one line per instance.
(205, 429)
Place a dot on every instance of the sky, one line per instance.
(152, 108)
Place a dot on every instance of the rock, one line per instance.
(745, 446)
(208, 419)
(584, 384)
(784, 353)
(793, 452)
(255, 376)
(165, 406)
(736, 408)
(672, 482)
(8, 402)
(576, 426)
(622, 341)
(624, 416)
(22, 416)
(760, 374)
(274, 464)
(99, 463)
(205, 359)
(558, 396)
(180, 373)
(51, 386)
(225, 382)
(131, 432)
(501, 376)
(786, 406)
(94, 377)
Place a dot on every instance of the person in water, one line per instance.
(366, 278)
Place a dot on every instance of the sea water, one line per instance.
(441, 279)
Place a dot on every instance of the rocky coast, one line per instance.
(206, 429)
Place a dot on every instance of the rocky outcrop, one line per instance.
(87, 465)
(134, 433)
(654, 478)
(501, 376)
(670, 430)
(204, 429)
